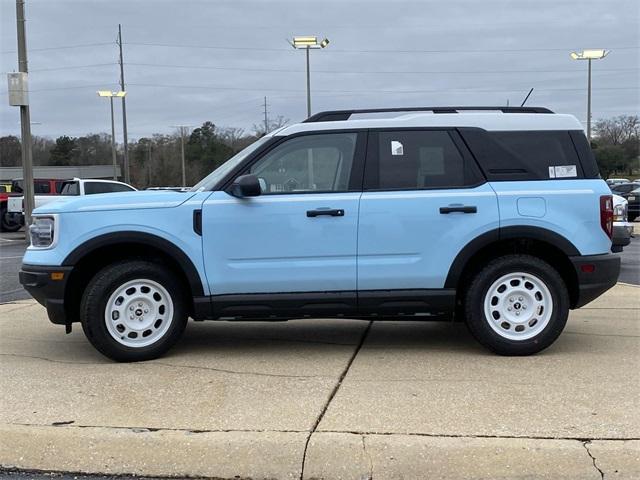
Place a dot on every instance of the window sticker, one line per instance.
(566, 171)
(396, 148)
(552, 172)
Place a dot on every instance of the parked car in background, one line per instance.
(624, 189)
(622, 228)
(617, 181)
(497, 218)
(634, 204)
(68, 188)
(11, 221)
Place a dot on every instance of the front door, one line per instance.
(299, 236)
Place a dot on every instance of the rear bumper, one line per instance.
(622, 232)
(37, 280)
(596, 274)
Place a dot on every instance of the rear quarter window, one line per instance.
(526, 155)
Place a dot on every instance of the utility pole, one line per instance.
(183, 131)
(127, 179)
(25, 119)
(266, 118)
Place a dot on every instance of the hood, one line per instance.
(116, 201)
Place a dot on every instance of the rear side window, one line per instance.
(418, 159)
(526, 155)
(91, 188)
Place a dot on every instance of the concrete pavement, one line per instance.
(327, 399)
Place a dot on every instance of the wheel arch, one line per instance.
(543, 243)
(98, 252)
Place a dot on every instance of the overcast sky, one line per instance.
(191, 61)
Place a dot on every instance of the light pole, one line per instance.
(110, 94)
(308, 43)
(183, 130)
(594, 54)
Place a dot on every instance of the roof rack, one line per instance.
(341, 115)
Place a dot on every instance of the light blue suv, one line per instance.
(492, 216)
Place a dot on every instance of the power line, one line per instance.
(72, 67)
(266, 49)
(280, 70)
(61, 47)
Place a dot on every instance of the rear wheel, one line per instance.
(517, 305)
(133, 310)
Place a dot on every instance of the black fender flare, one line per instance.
(142, 238)
(501, 234)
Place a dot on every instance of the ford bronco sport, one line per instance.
(494, 216)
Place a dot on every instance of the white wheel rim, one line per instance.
(138, 313)
(518, 306)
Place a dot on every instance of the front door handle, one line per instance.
(461, 209)
(332, 212)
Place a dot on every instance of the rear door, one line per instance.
(424, 199)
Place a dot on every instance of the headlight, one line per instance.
(43, 231)
(620, 213)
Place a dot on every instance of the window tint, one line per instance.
(419, 159)
(59, 185)
(41, 187)
(539, 150)
(312, 163)
(91, 188)
(70, 188)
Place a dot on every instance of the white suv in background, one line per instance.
(71, 188)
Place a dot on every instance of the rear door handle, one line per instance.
(461, 209)
(332, 212)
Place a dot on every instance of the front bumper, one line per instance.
(596, 274)
(38, 281)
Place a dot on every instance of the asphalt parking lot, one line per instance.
(327, 399)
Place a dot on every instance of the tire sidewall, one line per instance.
(94, 304)
(475, 301)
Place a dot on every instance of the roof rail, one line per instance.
(341, 115)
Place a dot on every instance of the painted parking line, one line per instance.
(11, 258)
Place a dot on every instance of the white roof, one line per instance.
(493, 120)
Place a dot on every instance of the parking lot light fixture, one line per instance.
(110, 95)
(308, 43)
(591, 54)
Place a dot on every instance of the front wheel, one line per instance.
(133, 310)
(7, 223)
(517, 305)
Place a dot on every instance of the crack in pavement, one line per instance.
(70, 424)
(585, 444)
(169, 365)
(333, 394)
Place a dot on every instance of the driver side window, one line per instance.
(310, 163)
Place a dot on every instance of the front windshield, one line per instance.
(208, 182)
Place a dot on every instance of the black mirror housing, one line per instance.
(246, 186)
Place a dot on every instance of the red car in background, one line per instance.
(42, 186)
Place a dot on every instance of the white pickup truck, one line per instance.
(73, 187)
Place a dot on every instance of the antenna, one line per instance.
(527, 97)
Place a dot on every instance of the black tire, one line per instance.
(94, 303)
(6, 225)
(479, 324)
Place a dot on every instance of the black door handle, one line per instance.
(461, 209)
(332, 212)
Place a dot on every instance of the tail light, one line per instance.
(606, 214)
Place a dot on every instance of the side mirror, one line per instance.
(246, 186)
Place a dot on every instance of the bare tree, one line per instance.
(618, 130)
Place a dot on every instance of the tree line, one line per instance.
(156, 160)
